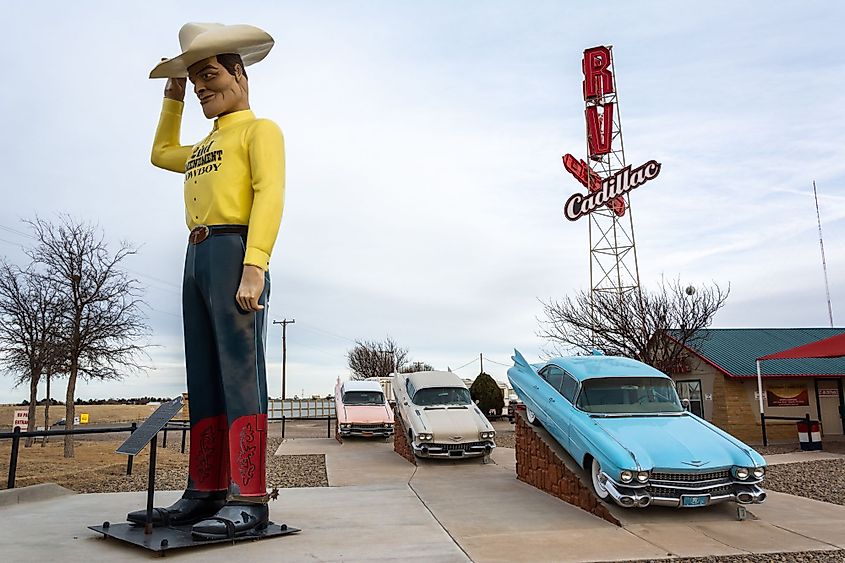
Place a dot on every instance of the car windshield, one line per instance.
(629, 395)
(442, 396)
(363, 398)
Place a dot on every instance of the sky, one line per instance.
(425, 190)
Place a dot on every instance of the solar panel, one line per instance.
(155, 422)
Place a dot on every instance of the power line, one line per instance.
(317, 329)
(472, 361)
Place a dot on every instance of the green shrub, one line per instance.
(485, 392)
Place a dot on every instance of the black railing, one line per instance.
(176, 426)
(16, 435)
(806, 418)
(328, 420)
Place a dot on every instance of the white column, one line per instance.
(760, 386)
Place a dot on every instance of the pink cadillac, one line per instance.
(362, 409)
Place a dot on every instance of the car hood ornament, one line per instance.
(694, 463)
(457, 438)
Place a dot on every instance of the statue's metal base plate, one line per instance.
(165, 538)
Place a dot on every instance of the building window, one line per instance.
(691, 391)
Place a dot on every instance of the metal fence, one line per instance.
(16, 435)
(300, 409)
(181, 427)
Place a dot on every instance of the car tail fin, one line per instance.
(520, 361)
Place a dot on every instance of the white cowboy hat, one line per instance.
(202, 40)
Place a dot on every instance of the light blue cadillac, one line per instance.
(622, 421)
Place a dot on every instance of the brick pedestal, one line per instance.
(400, 440)
(540, 466)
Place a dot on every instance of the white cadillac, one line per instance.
(439, 416)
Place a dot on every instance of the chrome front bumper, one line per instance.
(670, 494)
(471, 449)
(383, 431)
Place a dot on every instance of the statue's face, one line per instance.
(218, 91)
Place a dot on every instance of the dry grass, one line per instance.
(94, 461)
(98, 414)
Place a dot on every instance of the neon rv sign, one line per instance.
(611, 191)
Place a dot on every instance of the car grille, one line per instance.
(369, 426)
(692, 477)
(455, 447)
(671, 492)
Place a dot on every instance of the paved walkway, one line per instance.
(796, 457)
(379, 507)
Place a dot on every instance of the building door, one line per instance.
(691, 390)
(829, 395)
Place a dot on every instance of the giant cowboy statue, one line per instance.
(234, 193)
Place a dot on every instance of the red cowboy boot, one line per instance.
(247, 509)
(208, 478)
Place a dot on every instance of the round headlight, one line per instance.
(627, 476)
(642, 476)
(741, 473)
(759, 472)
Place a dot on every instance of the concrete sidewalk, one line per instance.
(379, 507)
(797, 457)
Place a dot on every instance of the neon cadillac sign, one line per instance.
(610, 191)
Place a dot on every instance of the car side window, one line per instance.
(570, 387)
(554, 375)
(409, 388)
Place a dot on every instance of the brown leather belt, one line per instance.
(202, 232)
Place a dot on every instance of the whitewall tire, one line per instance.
(598, 486)
(531, 417)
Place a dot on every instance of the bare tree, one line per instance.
(31, 312)
(103, 323)
(376, 358)
(653, 327)
(414, 367)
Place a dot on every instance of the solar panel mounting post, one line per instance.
(151, 481)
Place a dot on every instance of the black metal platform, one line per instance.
(177, 537)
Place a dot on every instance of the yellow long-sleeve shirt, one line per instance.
(235, 176)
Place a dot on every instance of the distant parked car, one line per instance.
(623, 422)
(60, 422)
(439, 416)
(513, 405)
(362, 409)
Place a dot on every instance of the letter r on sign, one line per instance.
(598, 79)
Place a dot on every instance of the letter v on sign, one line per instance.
(599, 128)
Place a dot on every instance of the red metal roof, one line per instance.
(833, 347)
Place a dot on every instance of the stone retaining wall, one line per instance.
(541, 467)
(400, 440)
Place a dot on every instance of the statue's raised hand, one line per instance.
(175, 88)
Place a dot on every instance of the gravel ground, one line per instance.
(828, 445)
(836, 556)
(505, 439)
(282, 472)
(821, 480)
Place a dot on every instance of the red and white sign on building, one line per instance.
(21, 419)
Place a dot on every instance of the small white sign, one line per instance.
(75, 420)
(21, 419)
(708, 396)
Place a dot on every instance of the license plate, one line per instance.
(695, 500)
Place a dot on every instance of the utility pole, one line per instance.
(284, 324)
(481, 360)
